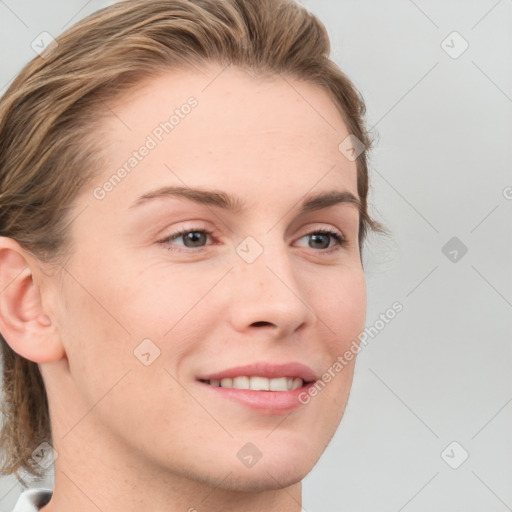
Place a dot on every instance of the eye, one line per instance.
(321, 239)
(192, 238)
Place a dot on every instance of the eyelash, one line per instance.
(340, 239)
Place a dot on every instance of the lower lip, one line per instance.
(265, 402)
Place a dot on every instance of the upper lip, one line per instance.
(263, 369)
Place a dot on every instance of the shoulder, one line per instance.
(31, 500)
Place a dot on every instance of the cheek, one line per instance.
(97, 337)
(124, 315)
(343, 307)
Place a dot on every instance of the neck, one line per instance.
(89, 488)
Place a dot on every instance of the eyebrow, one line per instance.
(311, 202)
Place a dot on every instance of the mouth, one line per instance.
(265, 388)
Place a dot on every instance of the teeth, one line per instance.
(257, 383)
(226, 383)
(241, 383)
(278, 384)
(297, 383)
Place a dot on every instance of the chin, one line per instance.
(281, 465)
(274, 466)
(260, 480)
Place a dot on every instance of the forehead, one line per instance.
(228, 127)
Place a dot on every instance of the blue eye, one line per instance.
(323, 237)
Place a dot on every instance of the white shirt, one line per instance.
(32, 500)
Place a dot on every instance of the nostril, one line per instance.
(259, 324)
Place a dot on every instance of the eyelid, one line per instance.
(319, 226)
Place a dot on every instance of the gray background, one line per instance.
(438, 372)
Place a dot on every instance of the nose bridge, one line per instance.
(268, 288)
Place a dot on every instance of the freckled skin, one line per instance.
(135, 437)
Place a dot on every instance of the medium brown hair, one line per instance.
(51, 111)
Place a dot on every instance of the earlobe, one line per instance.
(23, 323)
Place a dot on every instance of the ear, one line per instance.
(24, 324)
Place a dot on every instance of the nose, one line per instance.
(269, 295)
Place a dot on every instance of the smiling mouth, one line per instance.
(257, 383)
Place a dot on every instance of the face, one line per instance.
(231, 274)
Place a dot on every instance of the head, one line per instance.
(115, 320)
